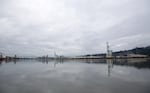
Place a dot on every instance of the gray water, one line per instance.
(75, 76)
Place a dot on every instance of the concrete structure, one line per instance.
(136, 56)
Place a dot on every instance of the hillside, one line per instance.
(137, 50)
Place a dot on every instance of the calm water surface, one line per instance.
(75, 76)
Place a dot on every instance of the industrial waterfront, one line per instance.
(112, 72)
(130, 54)
(74, 46)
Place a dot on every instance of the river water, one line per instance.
(75, 76)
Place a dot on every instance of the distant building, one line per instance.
(136, 55)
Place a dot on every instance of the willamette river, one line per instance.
(75, 76)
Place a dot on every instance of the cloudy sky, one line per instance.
(72, 27)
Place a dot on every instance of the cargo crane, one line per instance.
(109, 52)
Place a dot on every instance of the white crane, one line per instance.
(109, 52)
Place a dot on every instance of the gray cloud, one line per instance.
(72, 27)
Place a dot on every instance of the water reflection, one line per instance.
(75, 76)
(138, 63)
(110, 66)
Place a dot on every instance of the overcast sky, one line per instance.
(72, 27)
